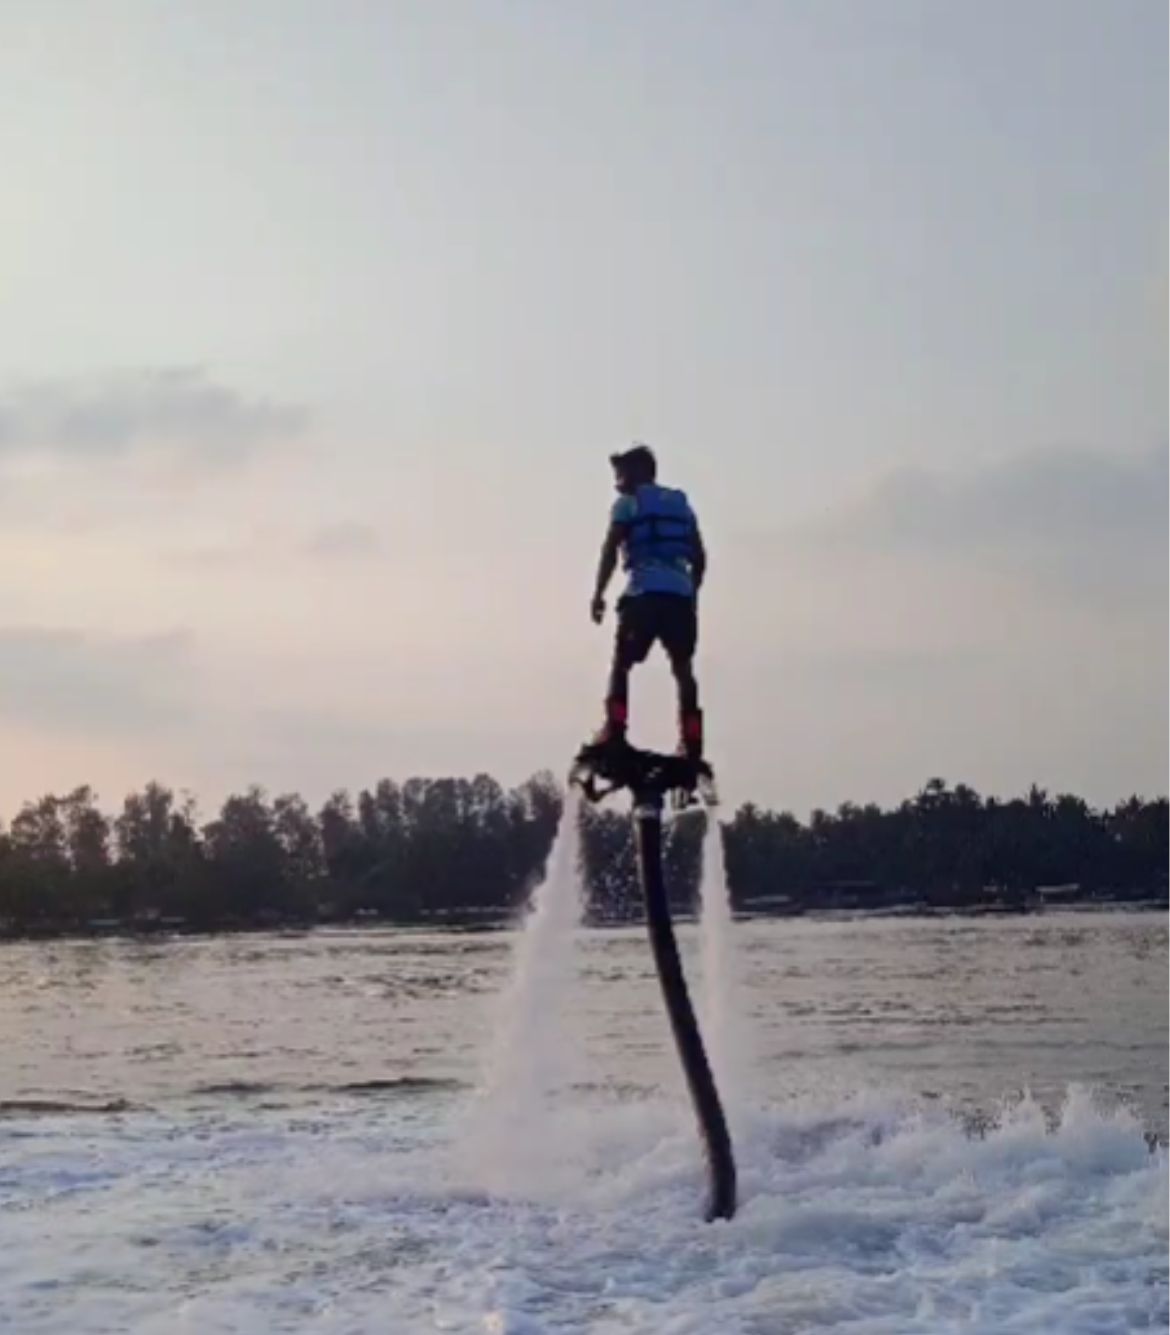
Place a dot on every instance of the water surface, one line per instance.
(274, 1132)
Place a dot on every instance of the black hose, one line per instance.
(704, 1095)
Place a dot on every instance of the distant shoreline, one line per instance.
(459, 851)
(498, 920)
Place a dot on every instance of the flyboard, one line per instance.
(604, 768)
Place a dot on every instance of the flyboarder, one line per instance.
(654, 530)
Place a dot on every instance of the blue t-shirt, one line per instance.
(659, 545)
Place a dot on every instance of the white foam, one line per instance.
(852, 1220)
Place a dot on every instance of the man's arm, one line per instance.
(605, 568)
(699, 560)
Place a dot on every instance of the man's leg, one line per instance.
(617, 699)
(680, 641)
(630, 646)
(688, 687)
(690, 716)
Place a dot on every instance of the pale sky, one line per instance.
(318, 322)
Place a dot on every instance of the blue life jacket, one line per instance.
(660, 540)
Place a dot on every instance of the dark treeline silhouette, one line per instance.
(457, 849)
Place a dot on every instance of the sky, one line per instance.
(318, 324)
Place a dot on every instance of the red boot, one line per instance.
(690, 728)
(613, 730)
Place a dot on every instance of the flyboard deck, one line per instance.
(602, 768)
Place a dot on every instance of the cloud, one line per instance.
(317, 748)
(209, 557)
(176, 411)
(343, 540)
(1055, 495)
(1089, 525)
(880, 667)
(60, 678)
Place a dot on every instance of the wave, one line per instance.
(64, 1107)
(401, 1084)
(227, 1090)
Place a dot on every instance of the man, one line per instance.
(656, 533)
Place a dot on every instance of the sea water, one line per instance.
(953, 1126)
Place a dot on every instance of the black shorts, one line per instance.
(666, 618)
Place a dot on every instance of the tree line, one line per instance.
(456, 849)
